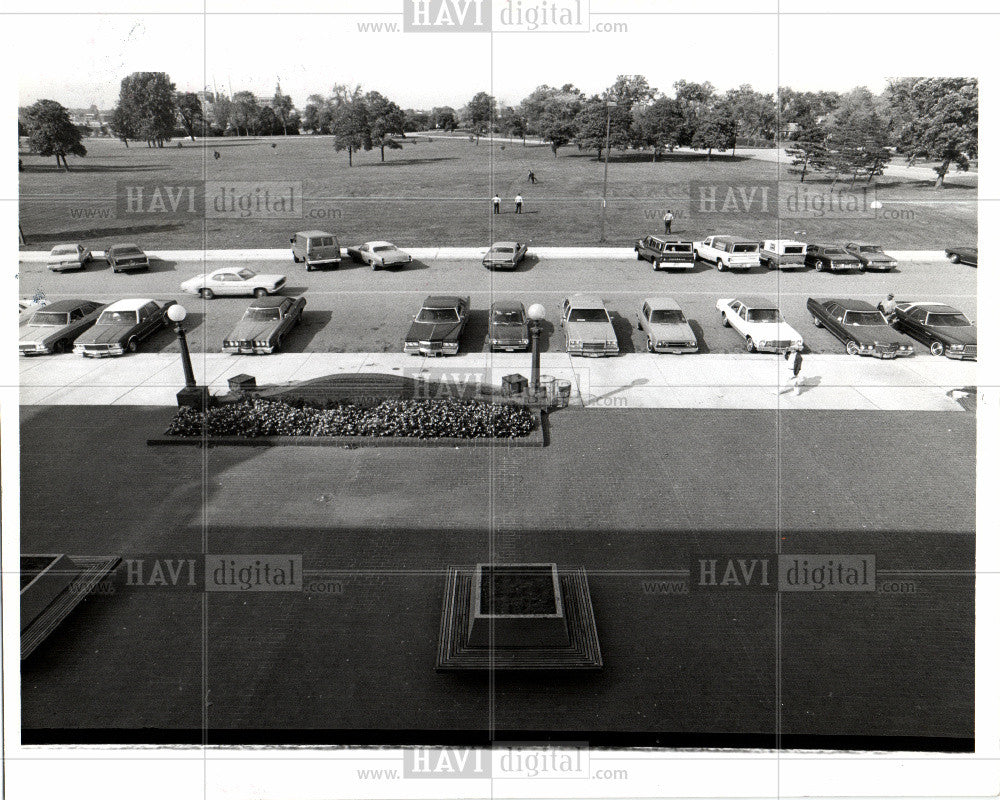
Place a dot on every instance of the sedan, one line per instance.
(831, 257)
(53, 328)
(69, 256)
(437, 327)
(871, 256)
(761, 325)
(379, 254)
(122, 326)
(126, 257)
(588, 327)
(945, 330)
(508, 326)
(505, 255)
(264, 325)
(233, 281)
(666, 329)
(860, 327)
(963, 255)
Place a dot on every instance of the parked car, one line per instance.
(760, 323)
(264, 325)
(126, 257)
(69, 256)
(729, 252)
(860, 327)
(662, 251)
(508, 326)
(379, 254)
(832, 258)
(963, 255)
(666, 329)
(233, 281)
(122, 326)
(437, 327)
(587, 327)
(871, 256)
(316, 248)
(505, 255)
(782, 254)
(944, 329)
(53, 328)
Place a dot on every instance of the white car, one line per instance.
(69, 256)
(728, 252)
(233, 281)
(379, 254)
(760, 324)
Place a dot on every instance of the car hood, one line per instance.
(253, 329)
(877, 334)
(591, 331)
(956, 335)
(505, 331)
(105, 334)
(773, 330)
(671, 330)
(877, 257)
(434, 332)
(38, 333)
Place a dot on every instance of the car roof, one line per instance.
(504, 244)
(270, 301)
(231, 268)
(310, 234)
(70, 246)
(507, 305)
(124, 245)
(863, 244)
(827, 245)
(850, 305)
(442, 301)
(129, 304)
(585, 300)
(940, 308)
(728, 238)
(65, 305)
(758, 302)
(380, 243)
(662, 303)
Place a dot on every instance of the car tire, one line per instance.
(649, 345)
(751, 347)
(133, 345)
(725, 320)
(954, 259)
(260, 292)
(937, 348)
(852, 348)
(309, 267)
(206, 294)
(719, 265)
(277, 344)
(638, 256)
(816, 322)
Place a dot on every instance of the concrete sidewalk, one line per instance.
(639, 380)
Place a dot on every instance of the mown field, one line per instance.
(436, 192)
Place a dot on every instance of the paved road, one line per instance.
(354, 309)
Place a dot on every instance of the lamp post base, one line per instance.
(196, 397)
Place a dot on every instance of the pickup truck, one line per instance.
(661, 251)
(728, 252)
(782, 254)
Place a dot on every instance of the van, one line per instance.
(316, 248)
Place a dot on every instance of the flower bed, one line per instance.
(421, 419)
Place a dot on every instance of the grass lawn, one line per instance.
(436, 192)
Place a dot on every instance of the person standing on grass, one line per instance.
(668, 221)
(496, 204)
(518, 201)
(531, 176)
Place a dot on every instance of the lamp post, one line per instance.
(536, 313)
(176, 314)
(607, 146)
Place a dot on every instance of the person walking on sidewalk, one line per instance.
(668, 221)
(496, 204)
(518, 201)
(793, 372)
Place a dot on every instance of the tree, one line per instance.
(190, 113)
(351, 127)
(590, 125)
(937, 118)
(755, 113)
(385, 120)
(481, 110)
(444, 118)
(857, 136)
(414, 120)
(659, 125)
(244, 112)
(267, 122)
(693, 100)
(809, 153)
(512, 124)
(804, 110)
(148, 100)
(50, 132)
(283, 107)
(716, 130)
(317, 116)
(121, 125)
(222, 110)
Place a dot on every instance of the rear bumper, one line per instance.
(430, 349)
(666, 263)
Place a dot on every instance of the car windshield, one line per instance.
(246, 274)
(946, 321)
(118, 318)
(667, 315)
(262, 314)
(869, 248)
(505, 250)
(49, 318)
(508, 318)
(437, 315)
(835, 252)
(745, 248)
(65, 250)
(588, 315)
(764, 315)
(863, 318)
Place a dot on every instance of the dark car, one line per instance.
(508, 326)
(945, 330)
(860, 327)
(831, 257)
(52, 328)
(122, 326)
(505, 255)
(126, 257)
(963, 255)
(661, 251)
(438, 326)
(264, 325)
(871, 256)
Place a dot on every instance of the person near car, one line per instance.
(668, 220)
(888, 308)
(496, 204)
(518, 202)
(793, 372)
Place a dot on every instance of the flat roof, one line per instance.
(129, 304)
(662, 303)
